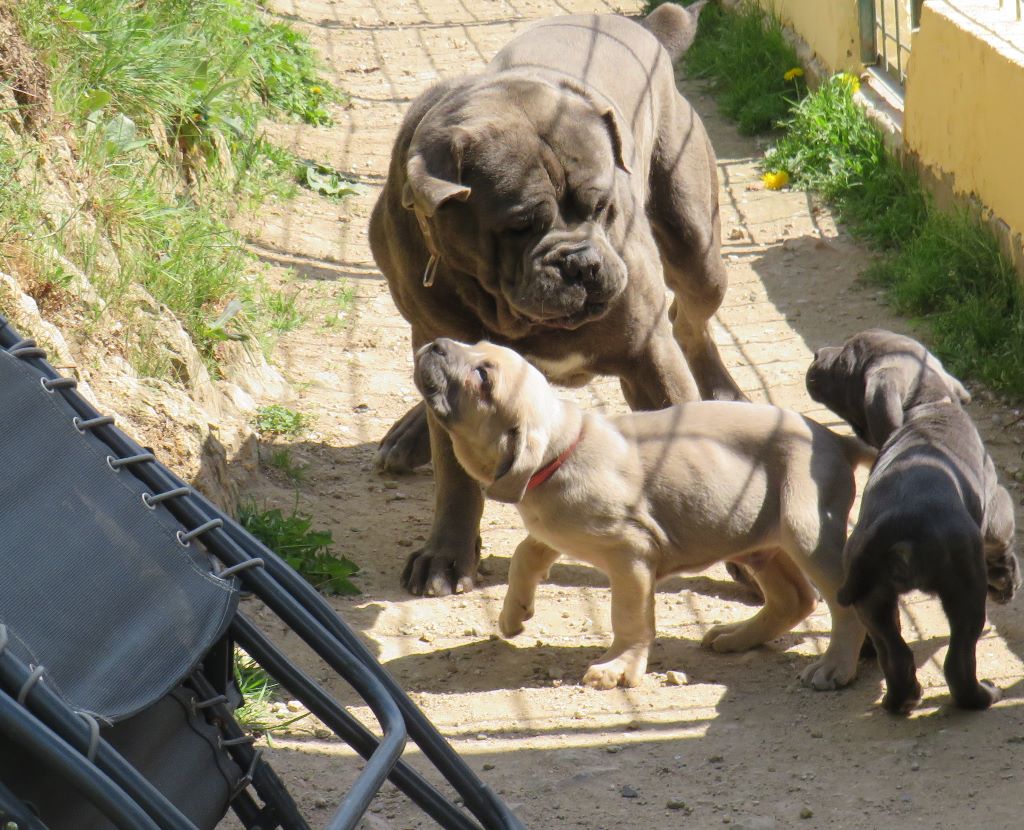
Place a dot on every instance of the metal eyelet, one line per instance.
(182, 540)
(46, 385)
(76, 421)
(146, 500)
(110, 463)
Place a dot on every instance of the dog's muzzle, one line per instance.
(433, 376)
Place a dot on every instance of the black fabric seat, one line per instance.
(118, 618)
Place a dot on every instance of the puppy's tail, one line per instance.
(675, 27)
(857, 452)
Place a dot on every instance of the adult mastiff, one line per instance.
(544, 204)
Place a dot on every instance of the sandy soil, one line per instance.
(742, 744)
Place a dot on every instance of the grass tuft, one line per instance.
(745, 59)
(306, 550)
(280, 420)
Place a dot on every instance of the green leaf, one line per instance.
(324, 180)
(76, 19)
(94, 100)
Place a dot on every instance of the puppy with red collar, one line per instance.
(650, 494)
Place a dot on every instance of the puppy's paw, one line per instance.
(620, 671)
(983, 696)
(902, 703)
(731, 637)
(511, 619)
(826, 675)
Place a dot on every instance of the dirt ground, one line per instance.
(742, 744)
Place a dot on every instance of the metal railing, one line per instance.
(1017, 4)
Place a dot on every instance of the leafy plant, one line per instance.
(327, 182)
(304, 549)
(275, 419)
(259, 691)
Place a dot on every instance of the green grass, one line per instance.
(163, 100)
(280, 420)
(306, 550)
(281, 460)
(259, 692)
(943, 268)
(745, 58)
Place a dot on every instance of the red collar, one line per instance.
(549, 469)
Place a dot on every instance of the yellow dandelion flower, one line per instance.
(775, 180)
(851, 82)
(315, 90)
(795, 72)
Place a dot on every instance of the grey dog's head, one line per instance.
(1003, 573)
(517, 182)
(497, 408)
(875, 377)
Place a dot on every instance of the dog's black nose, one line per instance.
(582, 266)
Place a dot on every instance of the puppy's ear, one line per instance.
(884, 394)
(425, 192)
(524, 455)
(955, 387)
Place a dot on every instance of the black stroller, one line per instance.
(118, 619)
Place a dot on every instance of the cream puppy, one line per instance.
(650, 494)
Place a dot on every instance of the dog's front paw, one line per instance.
(407, 444)
(440, 570)
(625, 671)
(512, 617)
(826, 675)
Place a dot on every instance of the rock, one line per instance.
(676, 678)
(294, 706)
(806, 812)
(628, 792)
(754, 823)
(678, 804)
(488, 767)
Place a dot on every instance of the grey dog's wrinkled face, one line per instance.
(535, 200)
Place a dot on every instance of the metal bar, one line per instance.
(42, 742)
(881, 25)
(868, 54)
(233, 545)
(258, 646)
(51, 710)
(13, 810)
(899, 44)
(915, 13)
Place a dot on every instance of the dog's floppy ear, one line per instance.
(610, 118)
(426, 192)
(885, 390)
(955, 386)
(524, 454)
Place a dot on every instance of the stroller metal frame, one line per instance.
(37, 719)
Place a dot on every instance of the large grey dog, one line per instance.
(544, 204)
(933, 516)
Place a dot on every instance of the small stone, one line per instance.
(736, 233)
(426, 637)
(321, 803)
(677, 804)
(628, 792)
(390, 485)
(481, 737)
(488, 767)
(405, 543)
(806, 812)
(611, 750)
(815, 734)
(915, 766)
(715, 759)
(320, 732)
(676, 678)
(295, 706)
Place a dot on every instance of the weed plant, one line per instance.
(275, 419)
(306, 550)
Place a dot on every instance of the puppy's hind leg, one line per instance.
(632, 584)
(966, 614)
(880, 612)
(530, 565)
(788, 598)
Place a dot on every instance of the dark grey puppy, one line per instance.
(933, 516)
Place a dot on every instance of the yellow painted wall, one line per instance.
(829, 27)
(964, 109)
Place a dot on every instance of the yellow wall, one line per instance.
(829, 27)
(964, 110)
